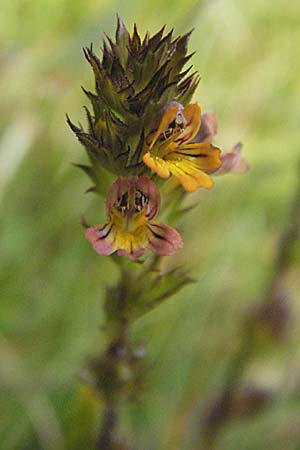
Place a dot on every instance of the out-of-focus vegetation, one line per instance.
(52, 283)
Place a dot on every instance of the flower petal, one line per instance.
(101, 238)
(189, 172)
(149, 189)
(233, 162)
(192, 114)
(131, 243)
(158, 165)
(163, 239)
(208, 128)
(205, 155)
(117, 189)
(167, 118)
(190, 176)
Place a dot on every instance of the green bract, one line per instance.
(134, 80)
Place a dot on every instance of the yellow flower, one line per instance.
(130, 229)
(170, 150)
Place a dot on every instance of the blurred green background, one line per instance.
(52, 283)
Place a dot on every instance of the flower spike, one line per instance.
(129, 230)
(135, 77)
(169, 150)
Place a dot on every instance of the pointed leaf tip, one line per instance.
(73, 127)
(121, 28)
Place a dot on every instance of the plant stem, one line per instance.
(109, 428)
(112, 383)
(116, 371)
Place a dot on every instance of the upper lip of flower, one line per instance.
(180, 124)
(169, 149)
(131, 205)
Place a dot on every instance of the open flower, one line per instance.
(129, 230)
(169, 150)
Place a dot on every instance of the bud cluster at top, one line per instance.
(134, 80)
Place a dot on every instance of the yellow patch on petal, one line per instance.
(206, 156)
(128, 222)
(189, 175)
(158, 165)
(129, 231)
(131, 242)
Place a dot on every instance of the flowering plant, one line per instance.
(142, 130)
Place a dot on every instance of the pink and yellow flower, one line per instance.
(169, 150)
(129, 230)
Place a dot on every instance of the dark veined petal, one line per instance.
(163, 239)
(150, 191)
(101, 238)
(117, 189)
(205, 155)
(188, 170)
